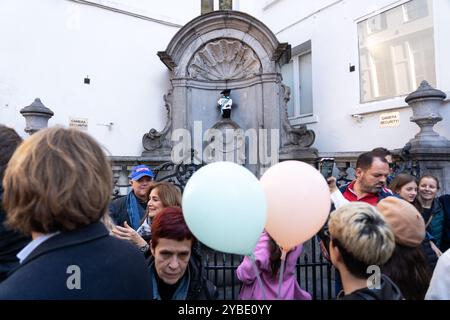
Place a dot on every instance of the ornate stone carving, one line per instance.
(224, 60)
(293, 137)
(155, 139)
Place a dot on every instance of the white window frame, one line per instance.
(361, 108)
(296, 77)
(298, 118)
(406, 17)
(379, 24)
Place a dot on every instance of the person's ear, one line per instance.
(152, 250)
(335, 254)
(358, 172)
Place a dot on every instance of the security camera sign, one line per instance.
(79, 123)
(391, 119)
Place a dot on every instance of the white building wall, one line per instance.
(48, 47)
(332, 28)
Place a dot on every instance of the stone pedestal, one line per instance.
(36, 116)
(428, 149)
(425, 103)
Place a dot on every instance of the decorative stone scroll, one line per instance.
(160, 140)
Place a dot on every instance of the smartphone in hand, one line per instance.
(326, 167)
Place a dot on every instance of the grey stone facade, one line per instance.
(229, 50)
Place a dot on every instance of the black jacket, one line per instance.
(109, 268)
(445, 204)
(11, 242)
(440, 205)
(119, 212)
(200, 288)
(429, 254)
(387, 291)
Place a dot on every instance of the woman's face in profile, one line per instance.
(154, 204)
(409, 191)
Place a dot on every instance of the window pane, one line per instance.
(225, 4)
(305, 88)
(395, 53)
(207, 6)
(287, 72)
(415, 9)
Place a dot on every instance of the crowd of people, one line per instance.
(62, 237)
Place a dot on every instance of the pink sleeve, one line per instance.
(245, 271)
(291, 260)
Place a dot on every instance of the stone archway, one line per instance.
(229, 50)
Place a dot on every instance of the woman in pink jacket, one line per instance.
(267, 255)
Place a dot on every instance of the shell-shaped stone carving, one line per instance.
(224, 60)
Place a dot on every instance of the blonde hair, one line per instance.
(363, 232)
(57, 180)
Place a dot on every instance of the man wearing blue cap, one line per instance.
(131, 208)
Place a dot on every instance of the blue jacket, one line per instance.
(109, 269)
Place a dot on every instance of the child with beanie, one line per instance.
(407, 266)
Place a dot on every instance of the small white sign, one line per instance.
(79, 123)
(391, 119)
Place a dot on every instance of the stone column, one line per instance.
(429, 149)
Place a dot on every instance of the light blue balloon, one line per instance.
(225, 207)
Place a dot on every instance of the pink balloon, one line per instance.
(298, 201)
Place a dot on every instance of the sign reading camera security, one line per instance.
(79, 123)
(391, 119)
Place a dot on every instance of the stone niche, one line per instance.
(228, 50)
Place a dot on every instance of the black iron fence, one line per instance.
(314, 273)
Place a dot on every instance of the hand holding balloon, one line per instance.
(225, 207)
(298, 202)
